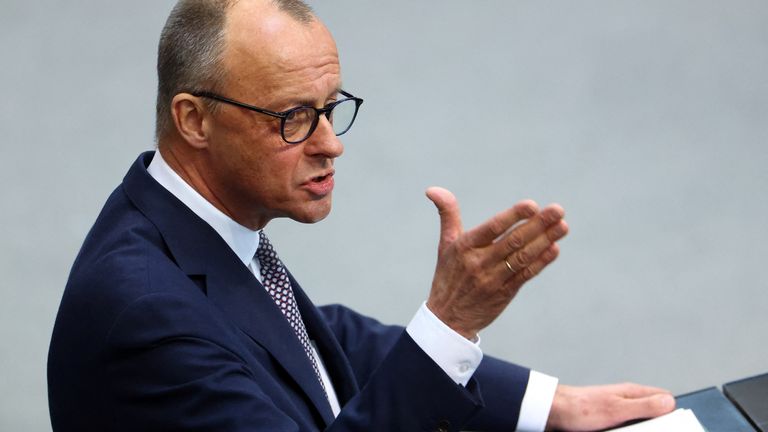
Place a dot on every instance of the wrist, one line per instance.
(560, 405)
(453, 322)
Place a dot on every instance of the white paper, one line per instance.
(679, 420)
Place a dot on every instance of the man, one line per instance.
(178, 315)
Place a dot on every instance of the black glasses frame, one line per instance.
(284, 115)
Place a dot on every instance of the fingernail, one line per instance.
(666, 402)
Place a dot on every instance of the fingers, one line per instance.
(643, 401)
(521, 250)
(534, 250)
(548, 221)
(646, 407)
(632, 390)
(519, 277)
(450, 216)
(496, 226)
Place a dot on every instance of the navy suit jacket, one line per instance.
(162, 328)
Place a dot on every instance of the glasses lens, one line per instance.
(298, 124)
(343, 115)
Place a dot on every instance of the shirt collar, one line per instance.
(243, 241)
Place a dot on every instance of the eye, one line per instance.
(298, 121)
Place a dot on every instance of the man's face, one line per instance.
(273, 62)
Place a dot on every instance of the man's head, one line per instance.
(271, 54)
(191, 46)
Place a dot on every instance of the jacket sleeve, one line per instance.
(366, 341)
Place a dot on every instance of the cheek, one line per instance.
(278, 172)
(262, 153)
(261, 166)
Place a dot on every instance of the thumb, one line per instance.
(450, 216)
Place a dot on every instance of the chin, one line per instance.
(315, 212)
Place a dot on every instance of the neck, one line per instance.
(188, 166)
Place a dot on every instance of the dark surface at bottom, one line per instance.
(750, 395)
(714, 411)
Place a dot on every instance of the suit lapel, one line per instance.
(204, 255)
(339, 369)
(241, 297)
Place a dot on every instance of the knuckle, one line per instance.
(496, 227)
(510, 244)
(485, 282)
(529, 273)
(522, 258)
(553, 234)
(473, 265)
(515, 240)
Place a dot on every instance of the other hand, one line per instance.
(480, 271)
(600, 407)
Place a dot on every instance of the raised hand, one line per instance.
(479, 271)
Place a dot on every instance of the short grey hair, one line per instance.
(191, 46)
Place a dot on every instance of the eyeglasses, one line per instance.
(297, 124)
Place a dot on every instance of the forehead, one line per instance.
(270, 55)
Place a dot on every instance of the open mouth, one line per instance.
(321, 178)
(320, 185)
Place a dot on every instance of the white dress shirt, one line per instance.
(456, 355)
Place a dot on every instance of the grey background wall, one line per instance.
(646, 120)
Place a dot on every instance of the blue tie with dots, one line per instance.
(275, 280)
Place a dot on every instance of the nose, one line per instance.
(323, 141)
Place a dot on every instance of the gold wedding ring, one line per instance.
(509, 266)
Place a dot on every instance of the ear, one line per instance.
(191, 118)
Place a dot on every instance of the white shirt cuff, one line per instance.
(537, 401)
(456, 355)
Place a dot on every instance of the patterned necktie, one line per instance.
(275, 280)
